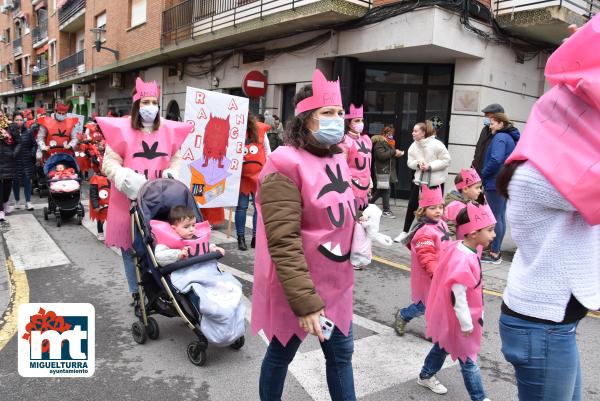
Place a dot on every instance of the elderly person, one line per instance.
(302, 270)
(25, 160)
(485, 137)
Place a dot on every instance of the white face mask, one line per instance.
(59, 117)
(148, 113)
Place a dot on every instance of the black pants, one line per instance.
(384, 194)
(100, 226)
(5, 189)
(413, 205)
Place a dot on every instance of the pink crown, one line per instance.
(355, 112)
(430, 197)
(469, 177)
(325, 93)
(143, 89)
(480, 216)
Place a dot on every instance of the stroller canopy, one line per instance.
(60, 158)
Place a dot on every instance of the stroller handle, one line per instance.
(190, 261)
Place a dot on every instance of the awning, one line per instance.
(42, 49)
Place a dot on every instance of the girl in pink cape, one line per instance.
(138, 148)
(454, 312)
(426, 241)
(551, 179)
(306, 216)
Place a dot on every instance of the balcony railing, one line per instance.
(586, 8)
(40, 32)
(18, 82)
(69, 10)
(195, 17)
(74, 64)
(17, 46)
(39, 78)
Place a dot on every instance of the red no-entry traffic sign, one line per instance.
(255, 84)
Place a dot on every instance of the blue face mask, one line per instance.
(486, 121)
(331, 131)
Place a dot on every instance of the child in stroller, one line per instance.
(63, 179)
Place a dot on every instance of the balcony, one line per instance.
(39, 78)
(18, 82)
(71, 16)
(39, 34)
(72, 65)
(220, 19)
(17, 45)
(544, 21)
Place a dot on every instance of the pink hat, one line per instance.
(143, 89)
(430, 197)
(480, 216)
(325, 93)
(561, 136)
(355, 112)
(469, 177)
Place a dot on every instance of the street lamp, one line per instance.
(98, 42)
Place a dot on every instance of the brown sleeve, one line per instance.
(281, 205)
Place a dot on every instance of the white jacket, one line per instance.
(432, 151)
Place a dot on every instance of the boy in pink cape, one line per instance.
(454, 312)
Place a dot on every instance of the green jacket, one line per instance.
(383, 158)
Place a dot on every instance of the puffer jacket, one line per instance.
(502, 144)
(433, 152)
(26, 157)
(8, 152)
(383, 158)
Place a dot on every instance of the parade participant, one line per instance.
(426, 241)
(454, 312)
(357, 149)
(255, 156)
(468, 188)
(40, 112)
(25, 161)
(551, 179)
(302, 271)
(83, 154)
(139, 148)
(10, 147)
(99, 199)
(57, 135)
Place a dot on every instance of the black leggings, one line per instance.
(100, 226)
(5, 189)
(413, 205)
(384, 194)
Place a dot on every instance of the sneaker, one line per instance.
(357, 268)
(2, 216)
(432, 384)
(17, 205)
(8, 209)
(489, 258)
(402, 236)
(486, 399)
(388, 214)
(399, 324)
(100, 236)
(28, 206)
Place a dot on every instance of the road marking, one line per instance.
(19, 295)
(30, 246)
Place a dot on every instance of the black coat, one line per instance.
(8, 164)
(26, 157)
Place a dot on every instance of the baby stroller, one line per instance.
(63, 205)
(157, 294)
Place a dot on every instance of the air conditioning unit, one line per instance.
(3, 38)
(116, 80)
(3, 10)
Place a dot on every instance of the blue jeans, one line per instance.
(240, 214)
(469, 369)
(412, 311)
(338, 365)
(545, 359)
(498, 205)
(26, 188)
(129, 267)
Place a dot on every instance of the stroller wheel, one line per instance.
(239, 343)
(79, 219)
(152, 328)
(45, 213)
(139, 332)
(196, 353)
(58, 220)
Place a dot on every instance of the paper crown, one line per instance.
(468, 178)
(143, 89)
(430, 196)
(325, 93)
(355, 112)
(480, 216)
(40, 110)
(61, 108)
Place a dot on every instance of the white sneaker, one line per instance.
(28, 206)
(100, 236)
(402, 236)
(486, 399)
(17, 205)
(2, 216)
(432, 384)
(8, 209)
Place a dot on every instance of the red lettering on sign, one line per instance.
(188, 155)
(232, 105)
(192, 124)
(198, 141)
(239, 118)
(202, 115)
(240, 147)
(234, 164)
(200, 97)
(235, 132)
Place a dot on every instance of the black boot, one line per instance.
(242, 243)
(253, 242)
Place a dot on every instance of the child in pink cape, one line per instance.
(455, 305)
(468, 189)
(426, 241)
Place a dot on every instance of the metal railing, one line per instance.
(194, 17)
(586, 8)
(40, 32)
(70, 65)
(17, 45)
(18, 82)
(69, 10)
(40, 78)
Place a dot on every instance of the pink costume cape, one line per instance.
(359, 160)
(456, 266)
(452, 210)
(328, 217)
(165, 234)
(420, 281)
(561, 136)
(146, 153)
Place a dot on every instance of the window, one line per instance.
(7, 35)
(101, 23)
(52, 47)
(26, 65)
(138, 12)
